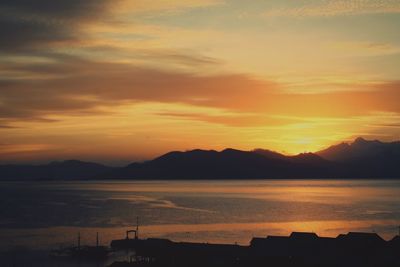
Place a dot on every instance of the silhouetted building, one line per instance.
(298, 249)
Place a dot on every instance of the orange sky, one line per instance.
(119, 81)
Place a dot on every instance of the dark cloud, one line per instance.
(26, 24)
(66, 9)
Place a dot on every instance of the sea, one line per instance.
(38, 216)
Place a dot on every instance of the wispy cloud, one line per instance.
(331, 8)
(143, 6)
(367, 48)
(23, 148)
(79, 86)
(233, 119)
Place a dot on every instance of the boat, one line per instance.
(82, 252)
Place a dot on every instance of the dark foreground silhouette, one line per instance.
(359, 159)
(298, 249)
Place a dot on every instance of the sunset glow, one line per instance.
(121, 81)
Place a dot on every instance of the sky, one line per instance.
(117, 81)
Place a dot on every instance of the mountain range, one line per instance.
(358, 159)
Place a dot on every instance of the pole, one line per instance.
(79, 240)
(137, 228)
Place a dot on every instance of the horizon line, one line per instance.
(125, 162)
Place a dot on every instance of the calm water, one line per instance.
(50, 214)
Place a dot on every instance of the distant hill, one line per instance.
(202, 164)
(358, 159)
(310, 158)
(361, 149)
(366, 158)
(227, 164)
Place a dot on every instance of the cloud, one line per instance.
(367, 48)
(29, 25)
(175, 56)
(7, 149)
(331, 8)
(7, 127)
(144, 6)
(237, 119)
(75, 86)
(35, 24)
(386, 125)
(83, 86)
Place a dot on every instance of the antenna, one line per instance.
(79, 240)
(137, 228)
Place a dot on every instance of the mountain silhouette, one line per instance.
(300, 158)
(366, 158)
(358, 159)
(203, 164)
(361, 149)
